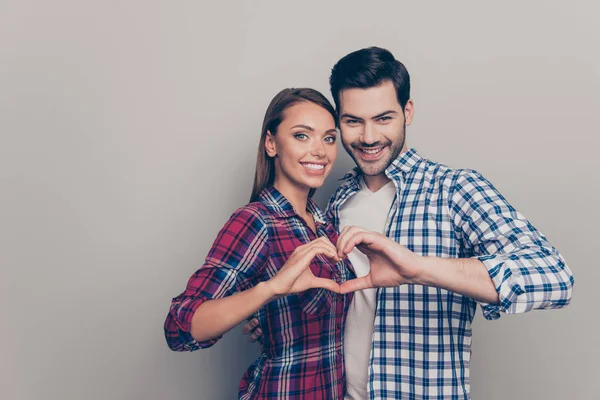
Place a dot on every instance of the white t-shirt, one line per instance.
(368, 210)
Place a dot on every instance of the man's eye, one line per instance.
(301, 136)
(383, 119)
(352, 121)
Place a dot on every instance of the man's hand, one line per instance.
(391, 263)
(252, 330)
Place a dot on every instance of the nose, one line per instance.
(318, 149)
(369, 135)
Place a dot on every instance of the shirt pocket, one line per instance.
(318, 301)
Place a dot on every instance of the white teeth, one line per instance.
(315, 167)
(371, 151)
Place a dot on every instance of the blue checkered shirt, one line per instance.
(421, 345)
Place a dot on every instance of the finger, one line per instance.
(354, 240)
(322, 247)
(249, 326)
(315, 250)
(356, 284)
(322, 241)
(343, 240)
(325, 240)
(256, 334)
(345, 229)
(340, 240)
(304, 259)
(374, 241)
(328, 242)
(326, 284)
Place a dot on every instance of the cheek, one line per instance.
(347, 138)
(332, 152)
(392, 131)
(352, 134)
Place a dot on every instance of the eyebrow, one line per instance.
(308, 128)
(385, 113)
(374, 117)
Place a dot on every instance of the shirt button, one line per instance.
(339, 326)
(339, 352)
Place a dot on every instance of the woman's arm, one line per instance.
(215, 317)
(239, 253)
(218, 289)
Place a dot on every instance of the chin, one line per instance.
(372, 169)
(314, 183)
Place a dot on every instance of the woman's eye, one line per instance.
(330, 139)
(301, 136)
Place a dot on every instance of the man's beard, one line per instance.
(377, 167)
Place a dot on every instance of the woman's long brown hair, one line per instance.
(265, 165)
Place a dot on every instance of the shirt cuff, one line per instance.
(184, 326)
(501, 277)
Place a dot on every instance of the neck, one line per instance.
(297, 197)
(376, 182)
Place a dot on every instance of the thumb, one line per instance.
(325, 283)
(356, 284)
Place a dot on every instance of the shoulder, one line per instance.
(458, 183)
(253, 210)
(253, 216)
(453, 178)
(346, 185)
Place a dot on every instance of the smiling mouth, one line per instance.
(313, 167)
(371, 152)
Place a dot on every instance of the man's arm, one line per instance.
(393, 264)
(527, 271)
(465, 276)
(512, 267)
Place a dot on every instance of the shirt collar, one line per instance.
(404, 163)
(276, 203)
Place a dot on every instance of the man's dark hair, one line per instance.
(367, 68)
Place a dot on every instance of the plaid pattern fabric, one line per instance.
(302, 355)
(422, 341)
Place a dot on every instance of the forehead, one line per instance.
(310, 114)
(370, 101)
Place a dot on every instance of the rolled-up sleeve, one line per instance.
(238, 255)
(528, 272)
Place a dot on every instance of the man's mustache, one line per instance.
(368, 145)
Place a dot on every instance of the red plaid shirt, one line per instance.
(302, 355)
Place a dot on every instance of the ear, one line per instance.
(409, 111)
(270, 146)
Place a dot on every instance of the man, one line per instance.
(434, 242)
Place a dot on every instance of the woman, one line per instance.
(275, 260)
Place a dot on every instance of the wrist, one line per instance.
(426, 270)
(269, 290)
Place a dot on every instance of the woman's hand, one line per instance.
(295, 276)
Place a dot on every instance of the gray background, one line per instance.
(128, 136)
